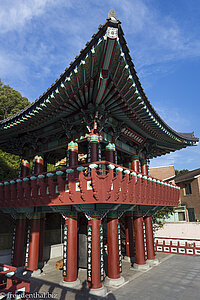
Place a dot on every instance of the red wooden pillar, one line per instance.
(128, 219)
(135, 163)
(18, 259)
(150, 241)
(96, 282)
(110, 152)
(96, 286)
(114, 278)
(38, 165)
(73, 154)
(34, 243)
(149, 238)
(42, 236)
(94, 140)
(129, 236)
(144, 167)
(24, 168)
(70, 270)
(139, 245)
(113, 250)
(38, 168)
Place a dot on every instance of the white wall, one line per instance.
(180, 230)
(53, 251)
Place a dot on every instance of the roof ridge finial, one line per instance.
(112, 16)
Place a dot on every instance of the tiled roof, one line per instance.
(187, 176)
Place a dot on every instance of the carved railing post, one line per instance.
(13, 192)
(7, 192)
(1, 193)
(51, 185)
(19, 191)
(34, 189)
(60, 181)
(26, 188)
(42, 185)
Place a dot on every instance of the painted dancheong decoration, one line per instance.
(13, 244)
(101, 253)
(27, 246)
(120, 248)
(65, 246)
(98, 123)
(89, 254)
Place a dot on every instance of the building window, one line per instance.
(181, 216)
(188, 189)
(191, 215)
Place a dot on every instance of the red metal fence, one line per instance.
(178, 246)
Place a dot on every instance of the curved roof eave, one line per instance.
(181, 137)
(56, 84)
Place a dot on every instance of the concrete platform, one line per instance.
(49, 282)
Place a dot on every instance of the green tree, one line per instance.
(9, 166)
(177, 172)
(11, 101)
(162, 215)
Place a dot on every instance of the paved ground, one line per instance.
(176, 278)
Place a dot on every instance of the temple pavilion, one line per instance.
(97, 110)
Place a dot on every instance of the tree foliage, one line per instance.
(9, 166)
(11, 101)
(162, 215)
(179, 172)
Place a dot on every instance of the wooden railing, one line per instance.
(96, 182)
(10, 285)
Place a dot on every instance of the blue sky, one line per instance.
(39, 38)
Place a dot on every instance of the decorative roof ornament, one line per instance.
(112, 16)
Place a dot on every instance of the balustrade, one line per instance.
(88, 184)
(11, 284)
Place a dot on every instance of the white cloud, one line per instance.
(166, 160)
(156, 38)
(49, 34)
(175, 119)
(12, 65)
(188, 158)
(15, 13)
